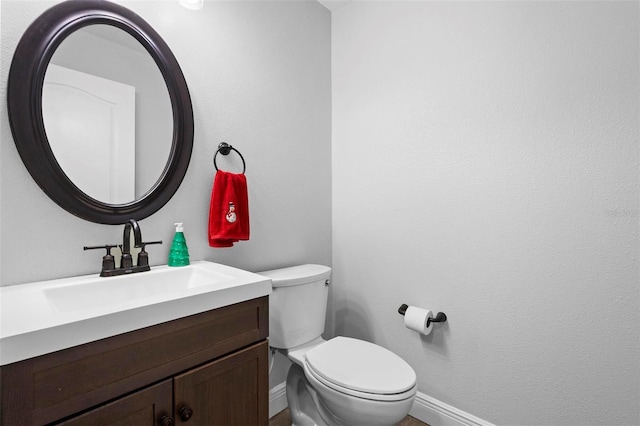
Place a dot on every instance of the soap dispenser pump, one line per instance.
(179, 253)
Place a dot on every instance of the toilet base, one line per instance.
(309, 408)
(302, 399)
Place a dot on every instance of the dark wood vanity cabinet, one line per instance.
(224, 392)
(147, 407)
(204, 370)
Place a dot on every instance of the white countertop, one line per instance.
(37, 318)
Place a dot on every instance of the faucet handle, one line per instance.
(106, 246)
(143, 256)
(108, 261)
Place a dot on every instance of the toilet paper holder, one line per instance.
(440, 317)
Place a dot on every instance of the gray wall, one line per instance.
(485, 164)
(259, 77)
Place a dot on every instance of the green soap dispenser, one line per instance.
(179, 253)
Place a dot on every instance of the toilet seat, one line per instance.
(361, 369)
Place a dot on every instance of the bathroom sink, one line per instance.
(125, 289)
(46, 316)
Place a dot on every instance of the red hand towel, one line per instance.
(229, 210)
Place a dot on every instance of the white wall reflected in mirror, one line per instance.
(90, 124)
(108, 53)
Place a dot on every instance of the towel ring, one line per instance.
(224, 149)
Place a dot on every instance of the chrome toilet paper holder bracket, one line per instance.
(440, 317)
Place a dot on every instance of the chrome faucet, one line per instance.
(126, 261)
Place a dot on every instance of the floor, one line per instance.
(284, 419)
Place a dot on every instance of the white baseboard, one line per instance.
(277, 399)
(437, 413)
(425, 408)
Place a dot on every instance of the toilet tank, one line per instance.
(297, 304)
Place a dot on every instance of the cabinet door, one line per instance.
(148, 407)
(230, 391)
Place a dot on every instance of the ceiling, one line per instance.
(333, 4)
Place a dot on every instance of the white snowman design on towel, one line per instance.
(231, 214)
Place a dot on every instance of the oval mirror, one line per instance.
(100, 111)
(107, 114)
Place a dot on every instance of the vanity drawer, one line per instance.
(50, 387)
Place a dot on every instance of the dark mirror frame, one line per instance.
(24, 99)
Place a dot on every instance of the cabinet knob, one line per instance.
(167, 421)
(185, 413)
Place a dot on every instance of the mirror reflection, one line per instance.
(107, 114)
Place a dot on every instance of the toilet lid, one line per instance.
(361, 366)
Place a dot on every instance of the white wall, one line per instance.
(259, 77)
(485, 164)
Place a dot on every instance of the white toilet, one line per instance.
(340, 382)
